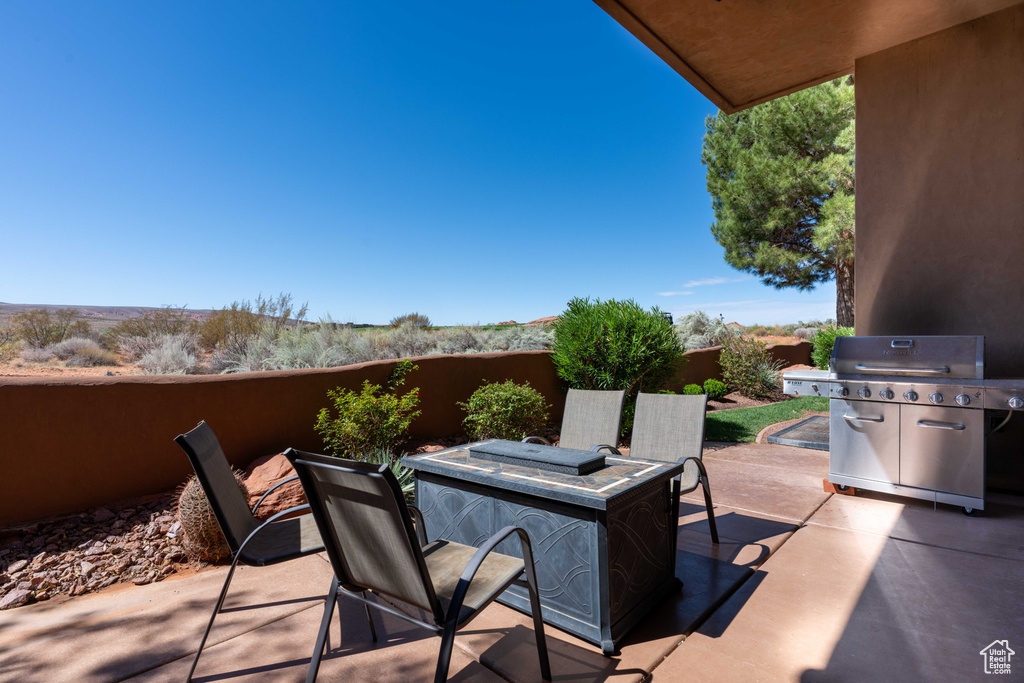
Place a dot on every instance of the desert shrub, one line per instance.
(615, 345)
(405, 341)
(170, 357)
(693, 390)
(8, 340)
(414, 319)
(749, 369)
(91, 357)
(72, 345)
(823, 341)
(521, 338)
(232, 326)
(39, 328)
(715, 390)
(368, 419)
(805, 332)
(133, 348)
(698, 330)
(31, 354)
(405, 476)
(504, 410)
(151, 325)
(457, 340)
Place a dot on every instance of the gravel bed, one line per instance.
(86, 552)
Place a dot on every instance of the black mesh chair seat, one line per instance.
(447, 560)
(283, 540)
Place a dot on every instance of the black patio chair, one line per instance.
(368, 531)
(590, 422)
(670, 428)
(251, 542)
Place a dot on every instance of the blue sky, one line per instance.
(476, 162)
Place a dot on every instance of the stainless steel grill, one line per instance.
(907, 414)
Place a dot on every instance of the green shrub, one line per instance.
(693, 390)
(416, 319)
(823, 341)
(715, 390)
(749, 369)
(614, 345)
(369, 419)
(504, 411)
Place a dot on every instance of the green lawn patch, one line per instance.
(743, 424)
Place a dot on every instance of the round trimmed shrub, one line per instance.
(693, 390)
(504, 411)
(612, 345)
(715, 390)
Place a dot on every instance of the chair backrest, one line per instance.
(668, 427)
(590, 418)
(366, 528)
(218, 481)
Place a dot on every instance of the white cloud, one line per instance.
(706, 282)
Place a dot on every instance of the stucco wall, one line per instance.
(940, 188)
(71, 444)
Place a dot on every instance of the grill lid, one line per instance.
(949, 357)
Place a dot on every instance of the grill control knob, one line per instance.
(1016, 403)
(842, 392)
(910, 396)
(935, 398)
(963, 399)
(887, 394)
(864, 393)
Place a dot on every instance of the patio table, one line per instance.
(603, 542)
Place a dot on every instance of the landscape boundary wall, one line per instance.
(70, 444)
(75, 443)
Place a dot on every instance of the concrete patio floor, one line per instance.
(804, 586)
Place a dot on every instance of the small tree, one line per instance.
(39, 327)
(781, 180)
(414, 319)
(614, 345)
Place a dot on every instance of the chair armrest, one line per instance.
(596, 448)
(421, 527)
(271, 490)
(455, 606)
(269, 520)
(536, 439)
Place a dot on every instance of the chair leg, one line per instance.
(216, 611)
(444, 657)
(707, 503)
(369, 618)
(538, 624)
(321, 637)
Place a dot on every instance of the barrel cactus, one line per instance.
(202, 538)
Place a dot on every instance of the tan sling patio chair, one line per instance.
(590, 422)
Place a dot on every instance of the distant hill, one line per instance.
(100, 317)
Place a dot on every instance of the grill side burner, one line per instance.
(906, 415)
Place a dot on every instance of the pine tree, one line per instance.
(781, 179)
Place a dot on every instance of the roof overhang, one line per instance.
(739, 53)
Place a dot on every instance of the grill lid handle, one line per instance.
(901, 343)
(902, 369)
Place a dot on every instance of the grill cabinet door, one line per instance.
(864, 439)
(942, 449)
